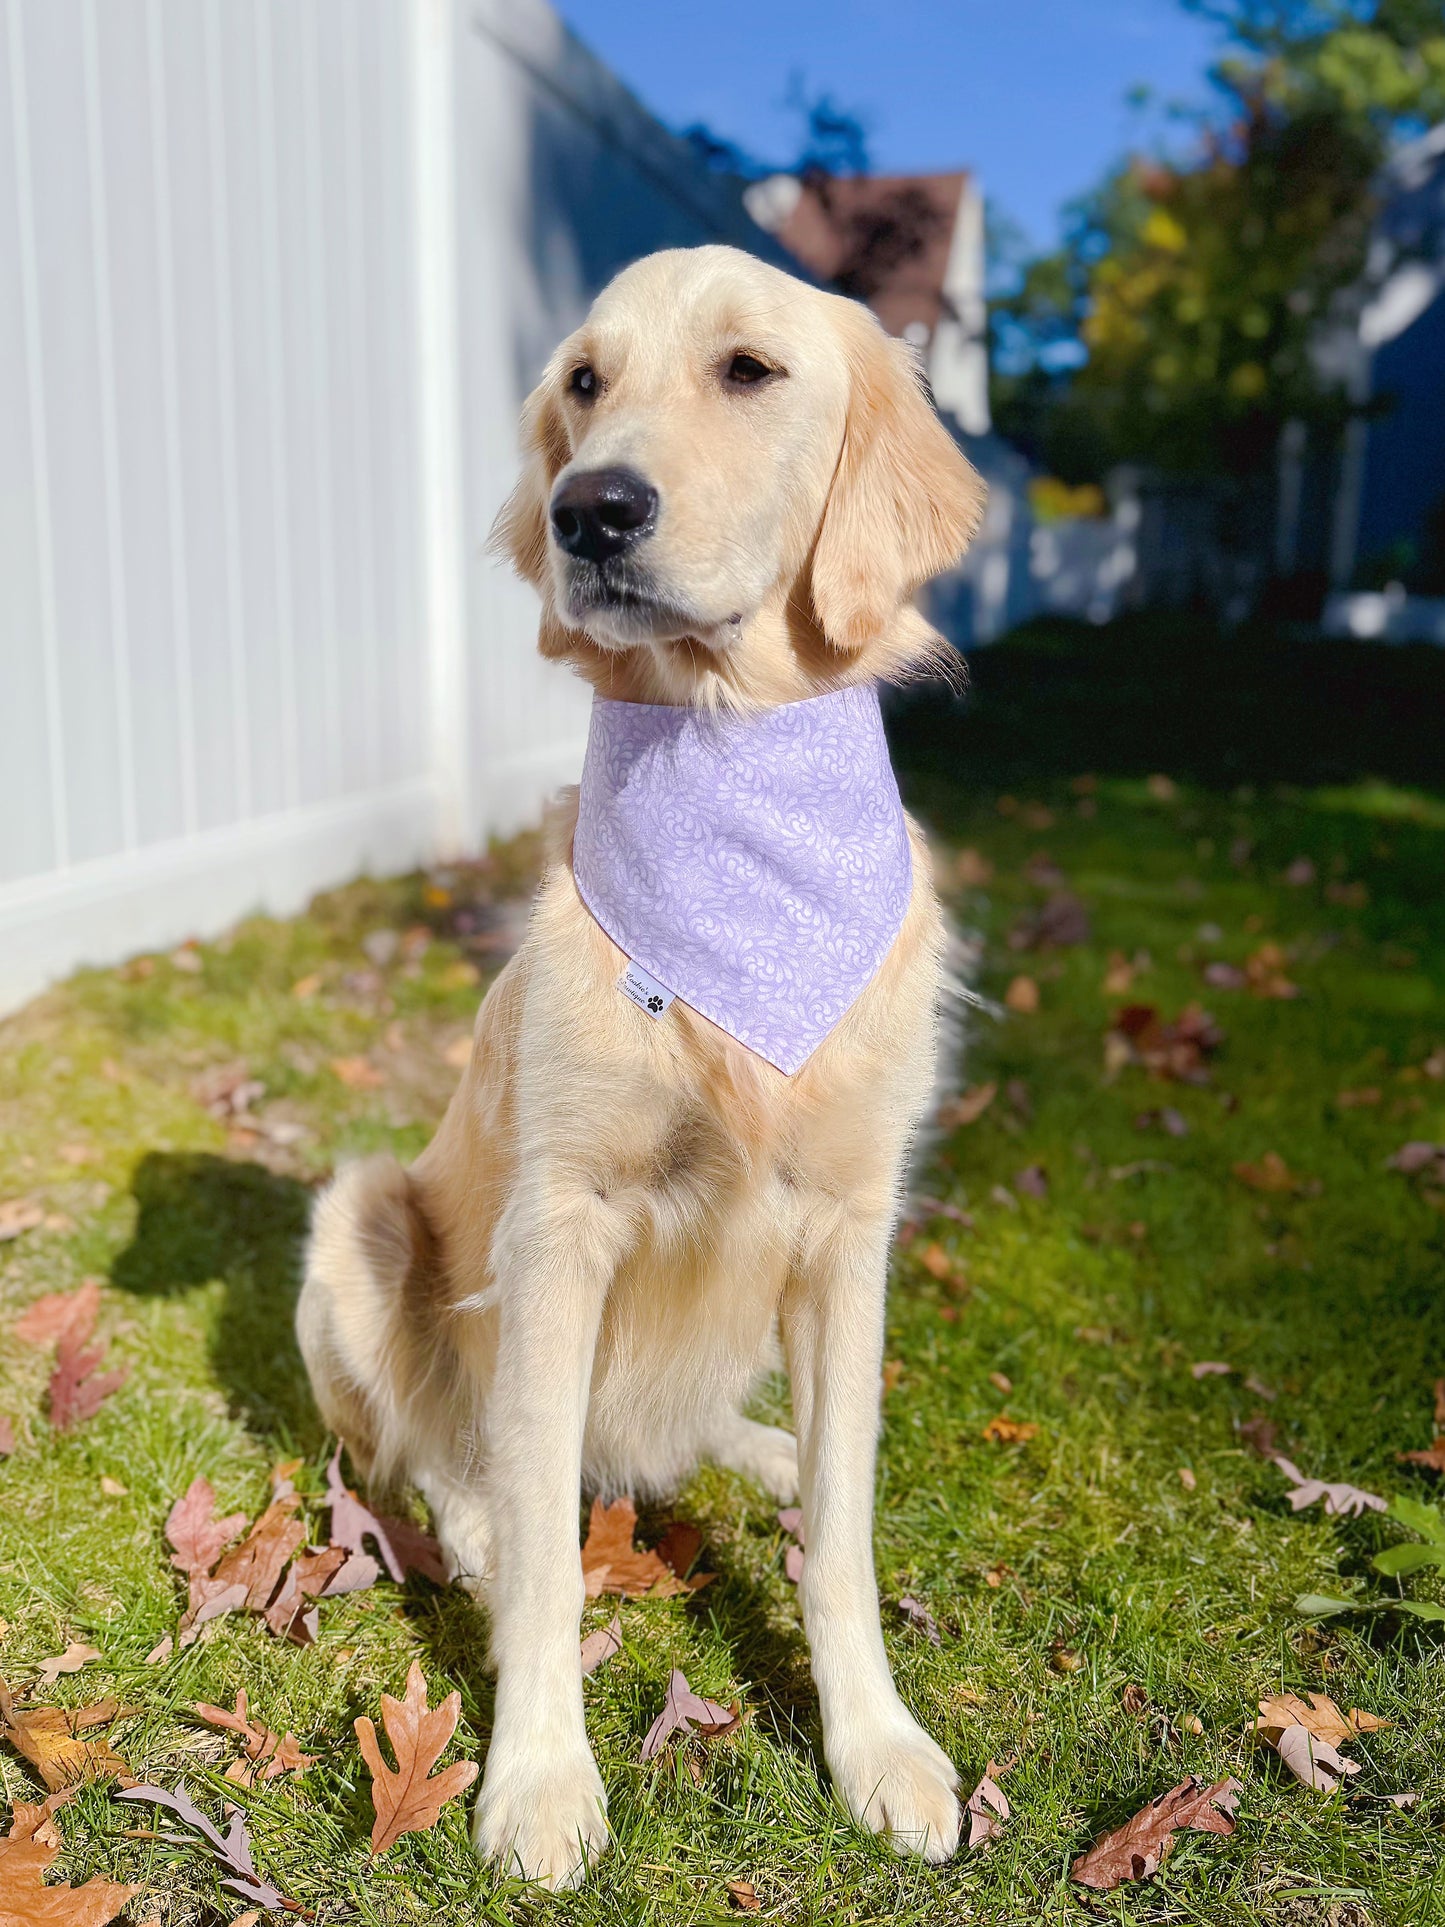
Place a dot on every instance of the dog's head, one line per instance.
(733, 485)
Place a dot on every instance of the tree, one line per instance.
(1198, 289)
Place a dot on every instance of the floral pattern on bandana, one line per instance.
(758, 867)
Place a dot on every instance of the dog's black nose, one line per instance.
(601, 512)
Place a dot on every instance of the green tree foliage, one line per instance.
(1196, 289)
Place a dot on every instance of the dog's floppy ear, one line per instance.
(520, 530)
(904, 504)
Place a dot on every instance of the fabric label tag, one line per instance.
(644, 991)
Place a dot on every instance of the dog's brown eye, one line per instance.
(744, 371)
(583, 383)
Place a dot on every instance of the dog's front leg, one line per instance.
(542, 1810)
(892, 1776)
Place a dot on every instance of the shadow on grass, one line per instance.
(201, 1218)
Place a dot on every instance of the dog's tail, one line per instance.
(369, 1242)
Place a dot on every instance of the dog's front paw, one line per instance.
(545, 1819)
(896, 1781)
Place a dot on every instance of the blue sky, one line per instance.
(1030, 93)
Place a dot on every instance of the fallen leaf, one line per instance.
(1210, 1368)
(1162, 788)
(196, 1536)
(30, 1844)
(986, 1808)
(1118, 976)
(917, 1614)
(405, 1799)
(19, 1215)
(230, 1850)
(7, 1436)
(936, 1261)
(1179, 1049)
(78, 1387)
(1064, 1659)
(357, 1073)
(1313, 1762)
(972, 870)
(1187, 1478)
(1300, 873)
(892, 1375)
(60, 1314)
(70, 1661)
(1062, 922)
(1004, 1430)
(1271, 1173)
(268, 1755)
(112, 1488)
(1001, 1382)
(1264, 973)
(599, 1647)
(1022, 996)
(161, 1652)
(1033, 1181)
(1135, 1700)
(306, 987)
(679, 1547)
(1257, 1385)
(1317, 1714)
(611, 1563)
(1135, 1851)
(967, 1108)
(685, 1712)
(404, 1547)
(1420, 1159)
(744, 1896)
(49, 1737)
(1341, 1501)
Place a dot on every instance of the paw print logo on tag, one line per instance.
(645, 991)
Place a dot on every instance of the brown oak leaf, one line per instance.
(1317, 1714)
(1004, 1430)
(1136, 1850)
(70, 1661)
(19, 1215)
(1313, 1762)
(611, 1563)
(61, 1313)
(30, 1844)
(268, 1754)
(404, 1547)
(987, 1808)
(744, 1896)
(599, 1647)
(406, 1800)
(49, 1737)
(684, 1711)
(78, 1387)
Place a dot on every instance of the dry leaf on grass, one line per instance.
(357, 1073)
(49, 1737)
(1210, 1368)
(1004, 1430)
(78, 1387)
(604, 1644)
(59, 1313)
(7, 1436)
(744, 1896)
(683, 1711)
(19, 1215)
(986, 1809)
(70, 1661)
(1136, 1850)
(404, 1547)
(1313, 1762)
(1179, 1049)
(917, 1614)
(248, 1577)
(1270, 1173)
(230, 1850)
(268, 1754)
(26, 1851)
(1022, 996)
(611, 1563)
(1062, 922)
(406, 1800)
(1341, 1501)
(1032, 1181)
(791, 1520)
(1317, 1714)
(1432, 1458)
(967, 1108)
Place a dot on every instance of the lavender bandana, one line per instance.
(756, 867)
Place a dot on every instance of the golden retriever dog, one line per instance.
(733, 485)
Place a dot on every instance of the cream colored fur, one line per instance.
(580, 1281)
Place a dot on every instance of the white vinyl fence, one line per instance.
(274, 278)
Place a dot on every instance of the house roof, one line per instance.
(884, 238)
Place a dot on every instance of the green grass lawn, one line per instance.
(1061, 1570)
